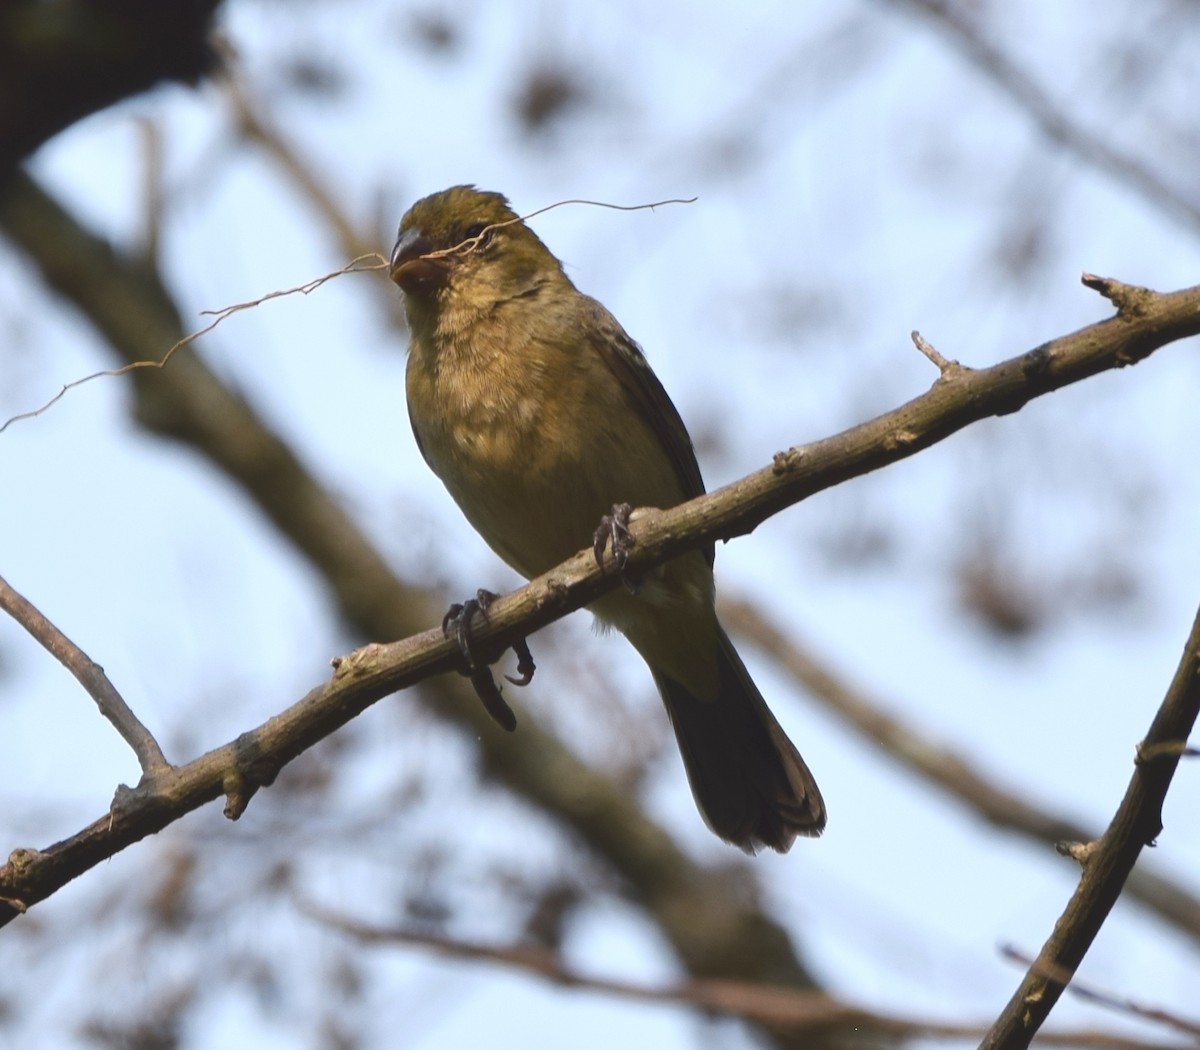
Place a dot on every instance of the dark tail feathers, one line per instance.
(750, 783)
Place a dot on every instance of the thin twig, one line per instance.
(89, 674)
(359, 265)
(616, 207)
(930, 351)
(354, 266)
(470, 244)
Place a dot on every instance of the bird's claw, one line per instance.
(613, 531)
(456, 624)
(525, 664)
(493, 703)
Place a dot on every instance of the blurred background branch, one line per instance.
(969, 35)
(954, 773)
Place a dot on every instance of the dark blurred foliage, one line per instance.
(61, 61)
(549, 92)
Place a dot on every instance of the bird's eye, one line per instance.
(477, 229)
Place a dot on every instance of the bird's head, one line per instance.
(465, 249)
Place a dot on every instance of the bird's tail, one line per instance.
(750, 783)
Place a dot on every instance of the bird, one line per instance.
(541, 416)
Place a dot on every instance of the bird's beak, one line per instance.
(411, 266)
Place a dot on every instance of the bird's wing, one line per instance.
(417, 437)
(648, 398)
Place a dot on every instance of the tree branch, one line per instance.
(186, 402)
(1147, 320)
(90, 675)
(1108, 862)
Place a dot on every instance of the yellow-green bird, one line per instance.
(539, 414)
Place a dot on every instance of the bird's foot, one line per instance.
(456, 624)
(613, 531)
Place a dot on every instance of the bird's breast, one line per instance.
(504, 438)
(535, 442)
